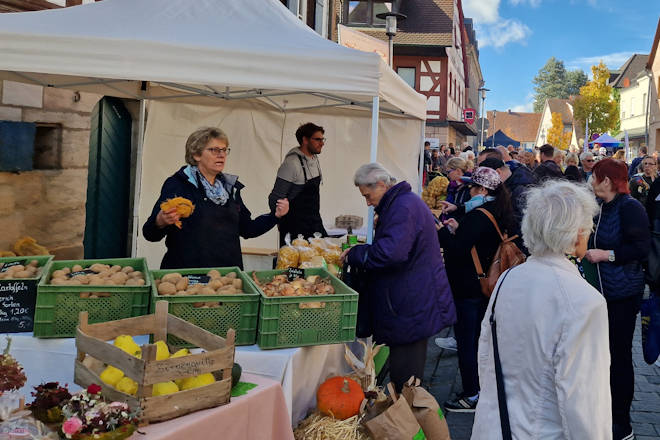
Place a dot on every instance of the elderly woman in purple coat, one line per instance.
(409, 298)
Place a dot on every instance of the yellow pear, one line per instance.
(126, 343)
(162, 352)
(127, 385)
(197, 381)
(181, 353)
(111, 375)
(162, 388)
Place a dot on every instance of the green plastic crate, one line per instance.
(238, 311)
(21, 291)
(283, 323)
(58, 306)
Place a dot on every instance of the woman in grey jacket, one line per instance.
(551, 330)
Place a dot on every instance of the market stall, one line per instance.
(257, 70)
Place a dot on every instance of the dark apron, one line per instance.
(218, 228)
(304, 215)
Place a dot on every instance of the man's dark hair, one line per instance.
(451, 151)
(307, 130)
(547, 150)
(491, 152)
(427, 144)
(643, 150)
(468, 148)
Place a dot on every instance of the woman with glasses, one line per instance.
(641, 183)
(209, 237)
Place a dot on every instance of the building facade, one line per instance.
(565, 108)
(653, 66)
(519, 126)
(633, 86)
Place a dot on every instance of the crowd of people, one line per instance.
(554, 360)
(565, 338)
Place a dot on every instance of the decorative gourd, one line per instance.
(184, 207)
(339, 397)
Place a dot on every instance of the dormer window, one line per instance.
(363, 12)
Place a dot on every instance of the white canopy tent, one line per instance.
(216, 62)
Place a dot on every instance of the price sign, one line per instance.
(17, 304)
(198, 279)
(293, 273)
(80, 272)
(5, 267)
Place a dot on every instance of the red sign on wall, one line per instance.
(469, 115)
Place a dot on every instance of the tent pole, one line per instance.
(421, 158)
(373, 157)
(138, 178)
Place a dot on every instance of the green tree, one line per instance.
(596, 102)
(554, 81)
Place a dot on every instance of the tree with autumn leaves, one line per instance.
(596, 103)
(556, 136)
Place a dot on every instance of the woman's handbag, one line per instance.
(650, 312)
(507, 256)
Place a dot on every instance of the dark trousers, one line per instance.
(407, 360)
(469, 313)
(622, 316)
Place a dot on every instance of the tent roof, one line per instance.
(196, 51)
(605, 139)
(501, 139)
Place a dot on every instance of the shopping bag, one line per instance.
(650, 311)
(390, 420)
(426, 410)
(653, 263)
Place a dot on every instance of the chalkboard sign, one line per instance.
(198, 279)
(293, 273)
(5, 266)
(80, 272)
(17, 304)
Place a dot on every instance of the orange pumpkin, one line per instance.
(339, 397)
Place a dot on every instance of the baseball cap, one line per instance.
(484, 176)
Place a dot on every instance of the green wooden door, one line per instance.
(108, 182)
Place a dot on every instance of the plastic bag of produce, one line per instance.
(300, 242)
(307, 253)
(288, 255)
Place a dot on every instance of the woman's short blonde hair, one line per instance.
(554, 215)
(572, 159)
(457, 163)
(199, 139)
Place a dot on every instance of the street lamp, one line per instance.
(390, 29)
(483, 91)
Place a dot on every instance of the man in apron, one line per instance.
(298, 179)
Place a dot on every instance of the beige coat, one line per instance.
(553, 340)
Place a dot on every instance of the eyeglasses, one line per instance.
(219, 151)
(319, 139)
(588, 160)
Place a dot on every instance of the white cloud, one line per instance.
(483, 11)
(503, 32)
(612, 61)
(493, 30)
(532, 3)
(527, 107)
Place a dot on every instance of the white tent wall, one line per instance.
(259, 138)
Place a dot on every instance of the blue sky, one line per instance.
(516, 38)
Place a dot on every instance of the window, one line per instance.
(645, 106)
(363, 12)
(450, 85)
(408, 75)
(34, 146)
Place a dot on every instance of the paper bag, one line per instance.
(425, 409)
(391, 420)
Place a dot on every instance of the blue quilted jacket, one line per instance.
(622, 226)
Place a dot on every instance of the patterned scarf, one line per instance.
(216, 192)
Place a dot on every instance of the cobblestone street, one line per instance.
(645, 413)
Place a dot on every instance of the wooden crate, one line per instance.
(219, 356)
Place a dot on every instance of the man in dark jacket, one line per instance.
(548, 168)
(636, 162)
(298, 180)
(409, 298)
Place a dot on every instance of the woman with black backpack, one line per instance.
(489, 198)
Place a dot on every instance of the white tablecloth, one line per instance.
(299, 370)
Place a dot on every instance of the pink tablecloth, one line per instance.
(259, 414)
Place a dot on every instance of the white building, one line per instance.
(633, 84)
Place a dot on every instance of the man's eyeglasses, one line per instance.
(219, 151)
(320, 139)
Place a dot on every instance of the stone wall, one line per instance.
(48, 203)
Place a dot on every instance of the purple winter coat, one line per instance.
(408, 292)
